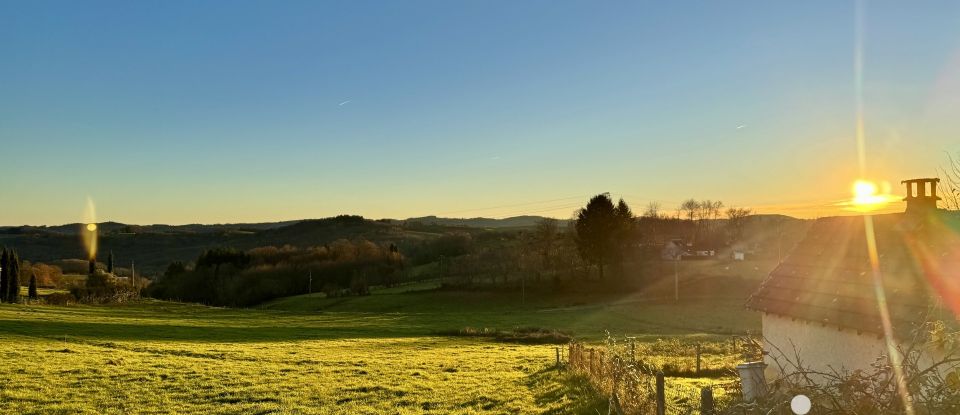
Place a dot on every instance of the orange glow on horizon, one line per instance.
(869, 196)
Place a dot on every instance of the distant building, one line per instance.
(673, 249)
(821, 301)
(678, 249)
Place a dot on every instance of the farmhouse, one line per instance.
(821, 303)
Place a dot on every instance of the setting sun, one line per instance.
(865, 193)
(91, 227)
(868, 196)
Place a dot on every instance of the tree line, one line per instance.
(603, 237)
(231, 277)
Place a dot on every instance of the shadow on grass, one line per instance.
(217, 334)
(579, 396)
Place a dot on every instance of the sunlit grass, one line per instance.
(374, 354)
(189, 359)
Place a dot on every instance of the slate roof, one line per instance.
(827, 277)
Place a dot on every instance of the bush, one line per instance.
(60, 299)
(525, 335)
(102, 288)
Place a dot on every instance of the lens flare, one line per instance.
(868, 196)
(89, 231)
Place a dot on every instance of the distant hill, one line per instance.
(153, 247)
(488, 223)
(114, 227)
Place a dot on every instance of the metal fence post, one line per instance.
(661, 396)
(706, 401)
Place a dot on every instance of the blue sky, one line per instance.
(183, 112)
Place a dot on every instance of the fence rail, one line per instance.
(633, 386)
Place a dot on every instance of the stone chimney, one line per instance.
(919, 199)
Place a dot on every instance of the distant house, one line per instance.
(673, 249)
(821, 302)
(678, 249)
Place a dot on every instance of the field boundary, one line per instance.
(635, 387)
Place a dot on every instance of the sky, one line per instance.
(253, 111)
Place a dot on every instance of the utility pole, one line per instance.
(676, 279)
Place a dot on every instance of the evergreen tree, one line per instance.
(32, 291)
(4, 271)
(596, 226)
(110, 263)
(13, 283)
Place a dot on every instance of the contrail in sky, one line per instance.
(344, 102)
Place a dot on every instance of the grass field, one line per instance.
(308, 354)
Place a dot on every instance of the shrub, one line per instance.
(60, 299)
(524, 335)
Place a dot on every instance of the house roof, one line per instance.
(827, 278)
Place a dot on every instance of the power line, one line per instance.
(513, 205)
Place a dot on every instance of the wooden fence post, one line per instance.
(600, 363)
(661, 396)
(633, 350)
(558, 357)
(706, 401)
(698, 359)
(591, 361)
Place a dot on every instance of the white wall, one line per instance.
(820, 347)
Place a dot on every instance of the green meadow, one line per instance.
(312, 355)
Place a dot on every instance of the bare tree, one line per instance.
(950, 184)
(715, 209)
(690, 207)
(652, 210)
(545, 238)
(736, 218)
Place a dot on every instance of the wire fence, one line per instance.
(635, 386)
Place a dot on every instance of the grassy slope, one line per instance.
(309, 354)
(191, 359)
(587, 317)
(712, 298)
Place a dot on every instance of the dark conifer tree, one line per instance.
(596, 226)
(32, 290)
(4, 271)
(13, 283)
(110, 263)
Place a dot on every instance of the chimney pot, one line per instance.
(918, 198)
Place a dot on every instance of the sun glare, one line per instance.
(89, 236)
(868, 196)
